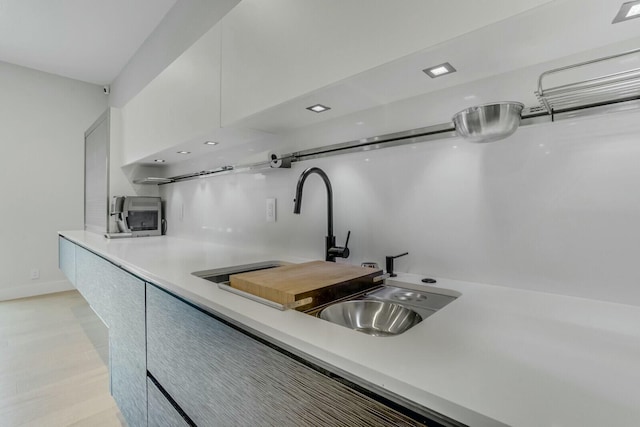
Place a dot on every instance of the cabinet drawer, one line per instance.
(118, 298)
(67, 258)
(127, 348)
(221, 376)
(161, 412)
(95, 279)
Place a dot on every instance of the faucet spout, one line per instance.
(298, 200)
(331, 250)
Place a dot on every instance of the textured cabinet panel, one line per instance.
(220, 376)
(95, 279)
(67, 259)
(127, 348)
(161, 412)
(119, 299)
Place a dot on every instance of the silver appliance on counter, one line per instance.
(137, 216)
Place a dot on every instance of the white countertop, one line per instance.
(521, 358)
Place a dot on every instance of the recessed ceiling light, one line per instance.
(628, 10)
(439, 70)
(211, 143)
(159, 161)
(184, 152)
(318, 108)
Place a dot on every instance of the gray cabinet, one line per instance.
(220, 376)
(161, 412)
(127, 347)
(118, 298)
(67, 258)
(95, 280)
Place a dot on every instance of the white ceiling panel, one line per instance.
(88, 40)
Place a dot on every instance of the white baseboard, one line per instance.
(30, 290)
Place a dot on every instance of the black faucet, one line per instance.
(332, 251)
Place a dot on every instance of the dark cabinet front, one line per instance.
(161, 411)
(220, 376)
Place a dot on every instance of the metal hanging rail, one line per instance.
(446, 130)
(431, 133)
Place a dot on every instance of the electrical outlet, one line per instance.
(35, 274)
(271, 210)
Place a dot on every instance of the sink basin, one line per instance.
(417, 300)
(381, 310)
(376, 318)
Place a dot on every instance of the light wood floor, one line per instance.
(53, 364)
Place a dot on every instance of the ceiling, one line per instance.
(87, 40)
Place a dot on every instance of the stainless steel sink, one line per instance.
(377, 318)
(385, 311)
(381, 311)
(417, 300)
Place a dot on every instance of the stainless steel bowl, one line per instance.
(377, 318)
(489, 122)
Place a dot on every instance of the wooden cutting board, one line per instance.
(323, 281)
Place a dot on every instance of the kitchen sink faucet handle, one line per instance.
(389, 263)
(339, 251)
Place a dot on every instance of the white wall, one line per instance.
(553, 208)
(44, 118)
(535, 212)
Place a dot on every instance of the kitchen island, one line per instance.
(494, 356)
